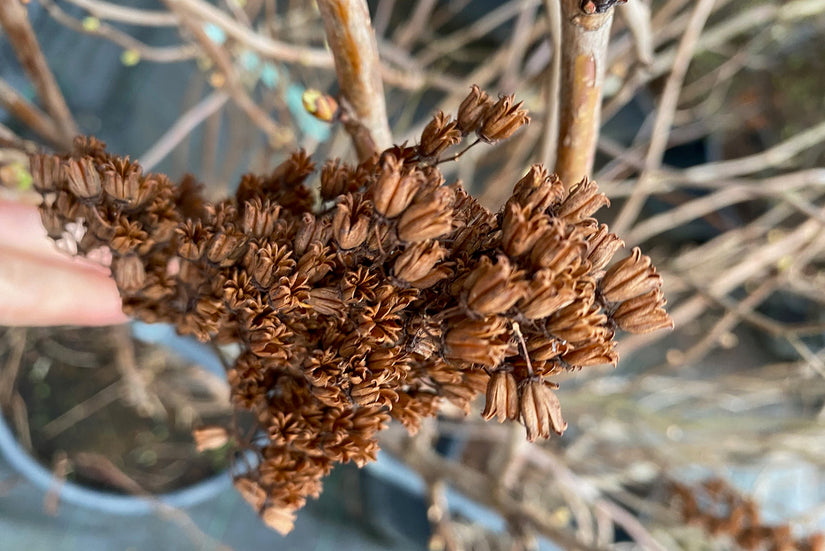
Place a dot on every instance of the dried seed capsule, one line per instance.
(259, 217)
(439, 134)
(643, 314)
(337, 178)
(583, 201)
(128, 236)
(47, 172)
(477, 341)
(537, 190)
(226, 247)
(502, 120)
(473, 109)
(351, 222)
(546, 294)
(326, 301)
(394, 190)
(502, 397)
(540, 410)
(82, 177)
(418, 261)
(494, 288)
(123, 181)
(630, 277)
(129, 273)
(597, 353)
(558, 253)
(602, 245)
(543, 349)
(578, 322)
(521, 228)
(52, 219)
(251, 492)
(209, 438)
(428, 219)
(193, 239)
(280, 519)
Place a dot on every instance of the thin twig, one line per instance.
(9, 139)
(664, 115)
(636, 16)
(27, 113)
(550, 129)
(182, 127)
(160, 54)
(15, 21)
(82, 410)
(124, 14)
(276, 134)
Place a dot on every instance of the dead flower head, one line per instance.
(393, 294)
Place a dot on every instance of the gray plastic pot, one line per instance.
(97, 500)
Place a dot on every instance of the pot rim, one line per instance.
(108, 502)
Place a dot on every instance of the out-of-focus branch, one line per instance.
(550, 130)
(480, 488)
(20, 108)
(15, 23)
(636, 15)
(583, 64)
(8, 139)
(352, 41)
(187, 122)
(277, 135)
(665, 114)
(132, 16)
(160, 54)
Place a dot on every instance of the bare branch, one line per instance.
(584, 60)
(352, 41)
(187, 122)
(15, 22)
(123, 14)
(163, 54)
(665, 114)
(20, 108)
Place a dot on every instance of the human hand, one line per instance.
(40, 285)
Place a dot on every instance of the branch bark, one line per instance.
(583, 61)
(15, 21)
(354, 48)
(20, 108)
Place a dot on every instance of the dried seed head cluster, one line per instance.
(399, 291)
(722, 511)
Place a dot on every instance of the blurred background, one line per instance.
(732, 215)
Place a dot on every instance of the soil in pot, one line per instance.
(108, 411)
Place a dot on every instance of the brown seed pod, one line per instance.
(428, 219)
(473, 110)
(439, 134)
(630, 277)
(540, 410)
(418, 261)
(502, 397)
(502, 119)
(494, 288)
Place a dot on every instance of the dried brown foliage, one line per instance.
(721, 511)
(399, 291)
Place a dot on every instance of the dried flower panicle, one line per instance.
(396, 292)
(723, 512)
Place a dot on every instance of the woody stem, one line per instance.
(354, 48)
(583, 62)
